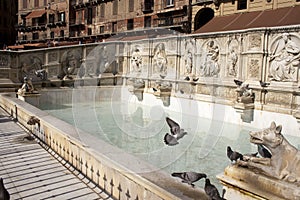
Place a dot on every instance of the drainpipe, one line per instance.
(189, 13)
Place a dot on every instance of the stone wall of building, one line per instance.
(201, 67)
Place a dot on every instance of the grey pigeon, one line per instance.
(176, 132)
(238, 82)
(212, 191)
(233, 155)
(187, 78)
(263, 151)
(263, 84)
(4, 195)
(189, 177)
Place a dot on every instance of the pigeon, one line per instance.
(34, 120)
(195, 79)
(238, 82)
(189, 177)
(212, 191)
(263, 151)
(176, 133)
(263, 84)
(4, 195)
(187, 78)
(233, 155)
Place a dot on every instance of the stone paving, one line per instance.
(30, 170)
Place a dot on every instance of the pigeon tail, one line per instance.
(177, 174)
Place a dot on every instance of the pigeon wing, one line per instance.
(170, 140)
(174, 127)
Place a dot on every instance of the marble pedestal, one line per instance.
(245, 184)
(31, 98)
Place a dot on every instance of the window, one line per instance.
(35, 36)
(51, 18)
(131, 6)
(24, 37)
(52, 35)
(24, 3)
(169, 3)
(130, 24)
(61, 17)
(89, 31)
(101, 29)
(115, 7)
(242, 4)
(102, 10)
(147, 22)
(90, 16)
(114, 27)
(36, 3)
(45, 2)
(62, 33)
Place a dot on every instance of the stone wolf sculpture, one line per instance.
(285, 161)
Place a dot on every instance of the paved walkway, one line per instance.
(31, 171)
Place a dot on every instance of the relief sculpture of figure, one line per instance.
(70, 61)
(189, 62)
(160, 59)
(210, 67)
(103, 62)
(284, 59)
(233, 58)
(136, 61)
(29, 67)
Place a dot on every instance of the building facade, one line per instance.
(204, 10)
(42, 21)
(96, 20)
(8, 10)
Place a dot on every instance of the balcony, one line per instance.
(175, 22)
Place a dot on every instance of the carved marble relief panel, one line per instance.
(5, 60)
(232, 58)
(53, 56)
(284, 58)
(209, 65)
(253, 68)
(136, 60)
(70, 63)
(159, 60)
(278, 98)
(187, 67)
(30, 63)
(254, 42)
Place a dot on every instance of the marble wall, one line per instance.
(200, 67)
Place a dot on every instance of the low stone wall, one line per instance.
(105, 165)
